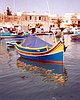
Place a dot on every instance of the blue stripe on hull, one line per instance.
(52, 57)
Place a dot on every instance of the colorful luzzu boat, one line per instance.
(34, 48)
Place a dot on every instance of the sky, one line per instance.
(59, 7)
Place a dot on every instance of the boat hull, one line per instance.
(53, 55)
(5, 35)
(54, 58)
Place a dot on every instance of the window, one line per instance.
(30, 17)
(39, 18)
(25, 17)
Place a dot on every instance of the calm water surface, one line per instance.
(27, 80)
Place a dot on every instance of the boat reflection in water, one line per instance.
(49, 72)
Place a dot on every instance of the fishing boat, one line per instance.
(6, 32)
(76, 35)
(4, 35)
(37, 49)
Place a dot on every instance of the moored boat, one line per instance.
(34, 48)
(6, 32)
(4, 35)
(76, 35)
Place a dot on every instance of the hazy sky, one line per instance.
(52, 6)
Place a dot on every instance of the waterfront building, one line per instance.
(70, 19)
(34, 19)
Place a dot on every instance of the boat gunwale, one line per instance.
(44, 52)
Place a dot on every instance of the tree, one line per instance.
(59, 22)
(8, 11)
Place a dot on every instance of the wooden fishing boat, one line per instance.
(6, 32)
(76, 35)
(4, 35)
(34, 48)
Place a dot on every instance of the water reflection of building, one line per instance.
(49, 72)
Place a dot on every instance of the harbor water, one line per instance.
(28, 80)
